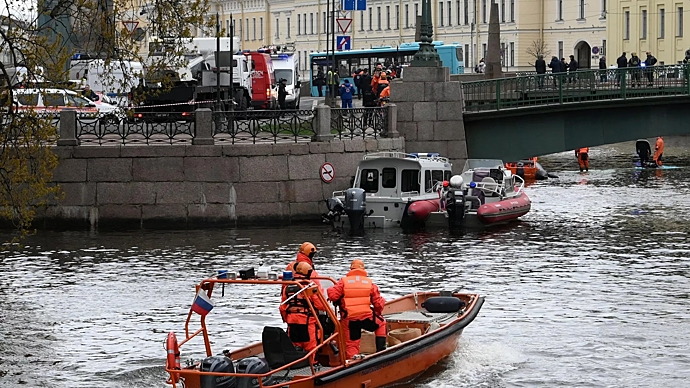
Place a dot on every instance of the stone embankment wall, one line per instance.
(178, 186)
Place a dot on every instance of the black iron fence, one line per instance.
(359, 122)
(124, 129)
(264, 126)
(574, 87)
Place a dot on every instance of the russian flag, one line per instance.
(202, 303)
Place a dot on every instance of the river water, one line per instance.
(589, 290)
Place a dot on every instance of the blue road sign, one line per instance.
(343, 42)
(354, 5)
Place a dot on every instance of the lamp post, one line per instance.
(426, 56)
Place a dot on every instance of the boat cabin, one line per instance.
(395, 174)
(487, 180)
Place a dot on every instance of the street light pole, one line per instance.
(219, 103)
(328, 42)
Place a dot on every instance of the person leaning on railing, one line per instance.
(648, 63)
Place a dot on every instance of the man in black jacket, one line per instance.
(602, 67)
(648, 63)
(555, 66)
(622, 63)
(572, 68)
(540, 67)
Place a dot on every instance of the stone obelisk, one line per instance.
(493, 50)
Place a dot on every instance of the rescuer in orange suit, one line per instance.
(386, 92)
(659, 150)
(306, 254)
(296, 312)
(356, 293)
(582, 155)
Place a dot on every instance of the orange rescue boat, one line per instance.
(528, 169)
(440, 318)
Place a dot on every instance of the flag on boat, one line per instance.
(202, 303)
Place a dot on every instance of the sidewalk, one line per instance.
(321, 100)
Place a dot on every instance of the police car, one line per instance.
(53, 101)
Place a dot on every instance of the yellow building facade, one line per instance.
(656, 26)
(566, 27)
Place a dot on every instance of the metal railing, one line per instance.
(359, 122)
(576, 87)
(125, 129)
(263, 126)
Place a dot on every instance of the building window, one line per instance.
(325, 23)
(512, 53)
(254, 28)
(277, 28)
(450, 19)
(261, 28)
(440, 13)
(603, 9)
(299, 24)
(560, 50)
(662, 23)
(388, 17)
(467, 54)
(288, 28)
(361, 21)
(407, 16)
(466, 13)
(397, 17)
(240, 35)
(378, 18)
(679, 32)
(370, 18)
(626, 31)
(304, 17)
(512, 10)
(559, 15)
(247, 29)
(311, 23)
(457, 12)
(503, 11)
(483, 11)
(483, 50)
(644, 24)
(582, 9)
(416, 12)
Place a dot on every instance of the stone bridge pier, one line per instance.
(430, 116)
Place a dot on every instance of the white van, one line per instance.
(286, 66)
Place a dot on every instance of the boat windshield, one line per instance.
(472, 164)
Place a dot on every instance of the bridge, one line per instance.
(532, 115)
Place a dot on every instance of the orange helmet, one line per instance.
(303, 269)
(308, 249)
(357, 264)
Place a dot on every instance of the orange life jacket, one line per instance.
(386, 92)
(357, 294)
(584, 150)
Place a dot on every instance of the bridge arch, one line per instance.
(583, 54)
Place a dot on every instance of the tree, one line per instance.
(537, 48)
(37, 42)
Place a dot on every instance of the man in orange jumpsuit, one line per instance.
(356, 294)
(306, 254)
(659, 150)
(582, 155)
(296, 312)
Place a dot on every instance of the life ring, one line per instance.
(173, 349)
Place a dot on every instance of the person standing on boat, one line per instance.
(301, 322)
(306, 254)
(659, 150)
(582, 155)
(356, 293)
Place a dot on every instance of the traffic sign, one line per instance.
(595, 50)
(354, 5)
(130, 25)
(343, 42)
(327, 172)
(344, 24)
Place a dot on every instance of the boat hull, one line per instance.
(504, 211)
(420, 210)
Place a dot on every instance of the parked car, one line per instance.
(53, 101)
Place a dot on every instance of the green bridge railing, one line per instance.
(581, 86)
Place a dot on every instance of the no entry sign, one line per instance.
(327, 172)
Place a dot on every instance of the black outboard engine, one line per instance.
(355, 207)
(455, 202)
(219, 364)
(253, 365)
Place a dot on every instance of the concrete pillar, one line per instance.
(68, 128)
(203, 127)
(322, 123)
(493, 50)
(392, 121)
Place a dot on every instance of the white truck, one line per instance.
(286, 66)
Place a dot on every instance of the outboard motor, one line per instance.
(335, 210)
(355, 207)
(455, 202)
(219, 364)
(253, 365)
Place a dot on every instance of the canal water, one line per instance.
(589, 290)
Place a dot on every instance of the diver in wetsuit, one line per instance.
(644, 151)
